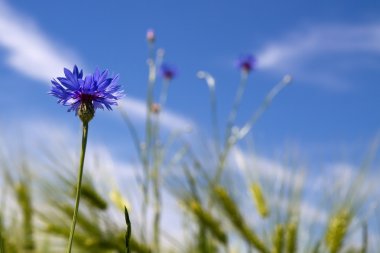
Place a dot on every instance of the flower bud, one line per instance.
(150, 36)
(86, 112)
(246, 63)
(155, 108)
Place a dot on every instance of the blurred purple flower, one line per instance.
(94, 91)
(167, 71)
(246, 62)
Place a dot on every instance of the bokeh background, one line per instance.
(325, 122)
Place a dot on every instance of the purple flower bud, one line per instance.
(246, 63)
(167, 71)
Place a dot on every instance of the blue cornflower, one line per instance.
(246, 62)
(86, 95)
(168, 71)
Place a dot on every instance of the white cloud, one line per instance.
(322, 39)
(267, 169)
(28, 49)
(34, 54)
(137, 109)
(319, 54)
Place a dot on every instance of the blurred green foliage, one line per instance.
(221, 213)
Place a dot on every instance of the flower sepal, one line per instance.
(86, 112)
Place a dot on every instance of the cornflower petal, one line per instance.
(73, 79)
(95, 90)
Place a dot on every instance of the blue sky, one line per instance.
(332, 49)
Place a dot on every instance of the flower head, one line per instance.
(167, 71)
(155, 108)
(150, 36)
(86, 95)
(246, 63)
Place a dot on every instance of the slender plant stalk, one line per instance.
(1, 245)
(236, 105)
(79, 185)
(364, 248)
(134, 134)
(157, 210)
(149, 132)
(164, 93)
(262, 108)
(214, 116)
(1, 235)
(129, 230)
(233, 137)
(146, 150)
(2, 208)
(156, 179)
(25, 202)
(213, 103)
(156, 173)
(230, 124)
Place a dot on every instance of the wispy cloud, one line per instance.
(323, 54)
(35, 55)
(137, 109)
(267, 169)
(28, 49)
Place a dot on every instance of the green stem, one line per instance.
(1, 236)
(164, 94)
(233, 137)
(79, 185)
(230, 123)
(214, 116)
(214, 112)
(157, 211)
(156, 177)
(146, 149)
(236, 104)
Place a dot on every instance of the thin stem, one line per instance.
(157, 209)
(134, 134)
(236, 104)
(79, 185)
(221, 164)
(364, 238)
(230, 123)
(264, 105)
(214, 112)
(146, 149)
(1, 235)
(214, 116)
(149, 133)
(156, 177)
(164, 94)
(233, 137)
